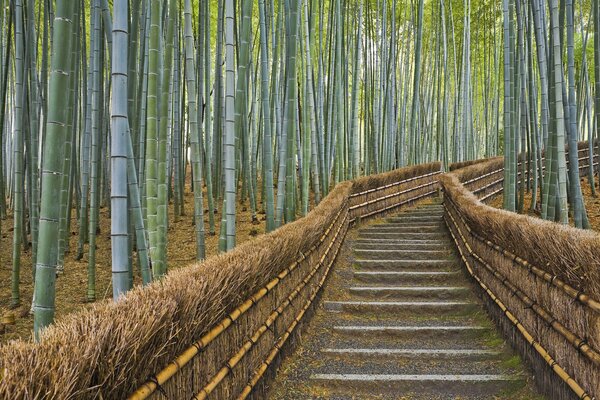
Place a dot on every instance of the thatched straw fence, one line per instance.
(485, 178)
(540, 281)
(212, 330)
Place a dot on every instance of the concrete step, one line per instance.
(401, 254)
(401, 228)
(407, 354)
(405, 265)
(365, 339)
(410, 242)
(402, 235)
(437, 220)
(429, 210)
(417, 218)
(424, 278)
(433, 309)
(400, 321)
(450, 386)
(344, 363)
(436, 205)
(412, 293)
(429, 332)
(408, 218)
(376, 245)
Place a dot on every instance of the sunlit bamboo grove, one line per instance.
(550, 66)
(266, 105)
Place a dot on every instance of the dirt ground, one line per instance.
(592, 204)
(71, 286)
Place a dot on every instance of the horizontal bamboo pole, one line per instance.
(260, 371)
(236, 358)
(578, 343)
(150, 386)
(381, 210)
(553, 280)
(391, 195)
(500, 170)
(480, 177)
(390, 185)
(558, 370)
(501, 181)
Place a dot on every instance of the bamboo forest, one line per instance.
(170, 168)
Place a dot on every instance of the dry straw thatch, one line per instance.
(527, 263)
(110, 349)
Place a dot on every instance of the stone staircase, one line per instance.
(399, 320)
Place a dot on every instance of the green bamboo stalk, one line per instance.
(559, 134)
(119, 140)
(152, 133)
(266, 111)
(96, 143)
(44, 290)
(207, 122)
(229, 131)
(159, 262)
(18, 143)
(194, 130)
(138, 219)
(291, 113)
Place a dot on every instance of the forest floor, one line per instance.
(592, 203)
(71, 286)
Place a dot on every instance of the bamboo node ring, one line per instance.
(582, 343)
(161, 390)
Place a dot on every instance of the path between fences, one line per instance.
(399, 319)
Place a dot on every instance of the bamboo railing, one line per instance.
(539, 280)
(219, 329)
(494, 179)
(257, 332)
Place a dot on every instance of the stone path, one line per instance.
(399, 320)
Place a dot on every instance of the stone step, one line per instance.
(407, 218)
(429, 332)
(449, 386)
(436, 205)
(429, 210)
(400, 321)
(401, 254)
(437, 221)
(375, 245)
(343, 363)
(432, 309)
(409, 242)
(401, 228)
(424, 218)
(410, 293)
(425, 278)
(479, 340)
(405, 265)
(405, 354)
(402, 235)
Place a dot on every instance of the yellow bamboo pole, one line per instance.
(236, 358)
(391, 185)
(558, 370)
(150, 386)
(553, 280)
(579, 344)
(260, 371)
